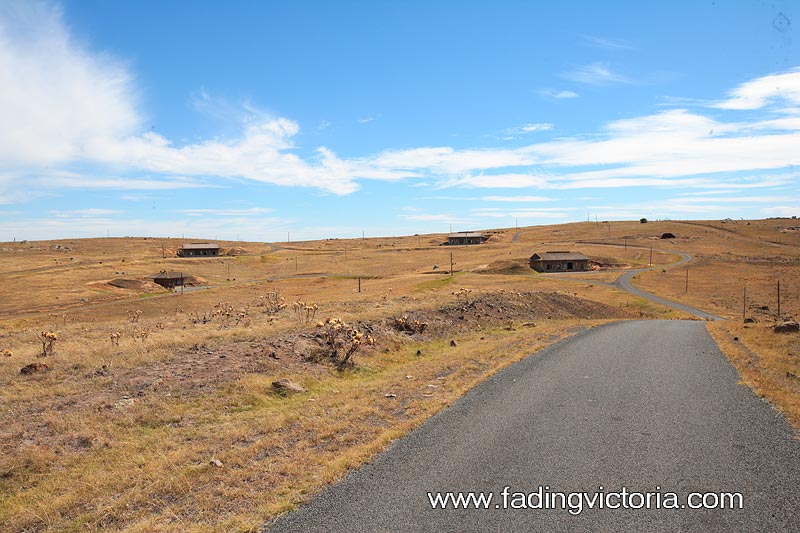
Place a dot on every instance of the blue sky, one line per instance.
(323, 119)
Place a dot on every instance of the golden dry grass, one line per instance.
(102, 442)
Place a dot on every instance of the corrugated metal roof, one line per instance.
(168, 275)
(200, 246)
(559, 256)
(465, 234)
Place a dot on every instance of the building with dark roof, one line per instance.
(199, 249)
(467, 237)
(559, 261)
(169, 280)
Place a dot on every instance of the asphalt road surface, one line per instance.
(645, 405)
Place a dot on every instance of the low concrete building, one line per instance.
(466, 237)
(169, 280)
(559, 261)
(199, 249)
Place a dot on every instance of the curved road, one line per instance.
(624, 282)
(646, 405)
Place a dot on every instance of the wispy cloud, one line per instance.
(539, 213)
(607, 43)
(517, 199)
(782, 211)
(533, 127)
(553, 93)
(530, 128)
(61, 95)
(595, 74)
(84, 213)
(252, 211)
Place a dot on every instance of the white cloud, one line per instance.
(552, 93)
(55, 95)
(64, 106)
(757, 93)
(597, 73)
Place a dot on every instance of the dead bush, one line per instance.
(48, 340)
(409, 325)
(342, 341)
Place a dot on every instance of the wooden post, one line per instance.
(686, 288)
(779, 299)
(626, 243)
(295, 264)
(744, 305)
(651, 255)
(451, 263)
(359, 284)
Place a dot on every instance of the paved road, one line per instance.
(641, 404)
(625, 283)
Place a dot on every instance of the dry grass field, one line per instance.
(157, 411)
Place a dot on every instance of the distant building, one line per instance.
(559, 262)
(169, 280)
(467, 237)
(199, 249)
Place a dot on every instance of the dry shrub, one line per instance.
(303, 312)
(408, 325)
(48, 340)
(342, 341)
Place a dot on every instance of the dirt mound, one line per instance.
(235, 251)
(507, 266)
(504, 306)
(137, 285)
(194, 281)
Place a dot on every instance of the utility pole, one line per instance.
(363, 238)
(163, 253)
(287, 237)
(451, 264)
